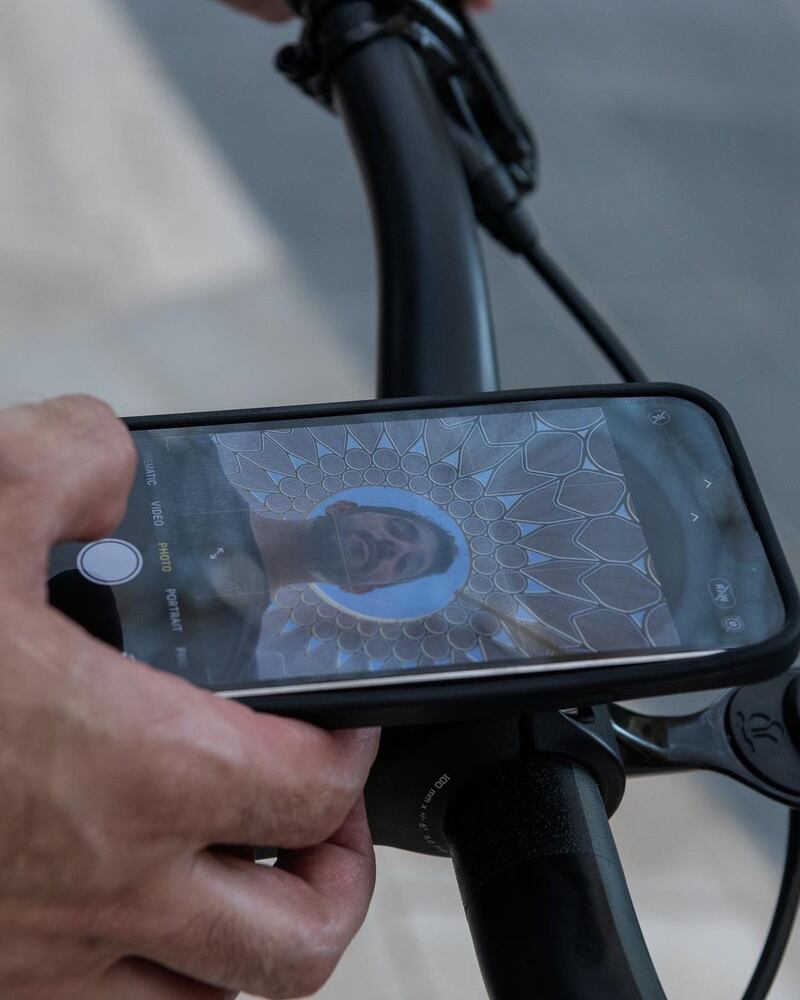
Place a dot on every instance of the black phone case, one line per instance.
(458, 700)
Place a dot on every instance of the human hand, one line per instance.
(117, 779)
(278, 10)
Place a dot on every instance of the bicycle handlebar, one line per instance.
(436, 331)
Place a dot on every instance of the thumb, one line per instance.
(66, 468)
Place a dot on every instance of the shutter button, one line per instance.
(109, 561)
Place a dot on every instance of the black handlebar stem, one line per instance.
(543, 888)
(540, 878)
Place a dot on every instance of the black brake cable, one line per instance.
(585, 314)
(499, 206)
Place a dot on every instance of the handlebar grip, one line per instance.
(543, 887)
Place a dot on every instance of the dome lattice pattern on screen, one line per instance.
(558, 558)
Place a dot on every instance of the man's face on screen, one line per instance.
(360, 548)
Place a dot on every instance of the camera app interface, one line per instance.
(385, 544)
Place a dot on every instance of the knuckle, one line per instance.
(94, 421)
(308, 968)
(341, 788)
(318, 791)
(310, 980)
(79, 406)
(16, 459)
(323, 804)
(341, 778)
(283, 967)
(323, 950)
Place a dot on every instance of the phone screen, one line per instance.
(378, 546)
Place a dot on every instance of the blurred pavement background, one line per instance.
(180, 230)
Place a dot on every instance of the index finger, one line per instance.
(298, 786)
(220, 773)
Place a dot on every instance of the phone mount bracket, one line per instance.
(421, 770)
(750, 734)
(472, 92)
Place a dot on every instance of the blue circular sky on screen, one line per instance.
(403, 601)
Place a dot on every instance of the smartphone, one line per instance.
(438, 559)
